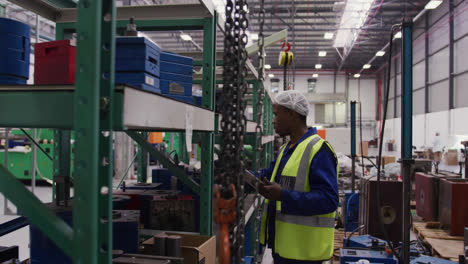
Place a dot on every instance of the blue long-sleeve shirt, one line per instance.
(322, 198)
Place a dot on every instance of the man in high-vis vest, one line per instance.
(300, 187)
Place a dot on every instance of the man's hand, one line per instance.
(270, 190)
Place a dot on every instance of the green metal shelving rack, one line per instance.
(94, 107)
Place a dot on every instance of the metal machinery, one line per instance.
(94, 107)
(453, 208)
(354, 255)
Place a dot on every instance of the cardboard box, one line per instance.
(451, 157)
(196, 249)
(365, 148)
(388, 159)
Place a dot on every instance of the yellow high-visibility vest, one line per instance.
(300, 237)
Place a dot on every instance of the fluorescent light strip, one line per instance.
(380, 53)
(353, 18)
(315, 75)
(322, 53)
(366, 66)
(433, 4)
(318, 66)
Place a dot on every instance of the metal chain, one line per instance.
(259, 128)
(233, 121)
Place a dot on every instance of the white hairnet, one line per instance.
(293, 100)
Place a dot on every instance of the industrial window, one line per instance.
(311, 83)
(274, 85)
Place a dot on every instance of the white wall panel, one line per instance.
(419, 70)
(437, 122)
(458, 121)
(439, 38)
(439, 96)
(339, 139)
(460, 55)
(438, 66)
(340, 83)
(419, 48)
(398, 106)
(392, 88)
(439, 12)
(418, 102)
(461, 19)
(367, 94)
(390, 113)
(398, 85)
(418, 27)
(461, 90)
(419, 133)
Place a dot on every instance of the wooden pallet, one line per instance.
(441, 243)
(423, 232)
(446, 249)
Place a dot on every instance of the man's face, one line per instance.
(283, 119)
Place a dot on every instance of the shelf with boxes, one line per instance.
(94, 105)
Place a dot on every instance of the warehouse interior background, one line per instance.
(341, 51)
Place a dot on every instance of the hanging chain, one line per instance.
(259, 128)
(233, 121)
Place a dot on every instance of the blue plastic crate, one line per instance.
(14, 48)
(177, 68)
(140, 80)
(171, 87)
(14, 27)
(134, 54)
(8, 79)
(176, 77)
(183, 98)
(162, 176)
(197, 100)
(373, 256)
(176, 58)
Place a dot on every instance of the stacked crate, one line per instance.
(14, 51)
(137, 63)
(177, 76)
(55, 62)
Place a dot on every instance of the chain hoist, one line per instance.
(259, 127)
(234, 122)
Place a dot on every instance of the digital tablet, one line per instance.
(252, 180)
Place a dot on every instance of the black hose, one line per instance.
(360, 135)
(379, 159)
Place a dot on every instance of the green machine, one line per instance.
(20, 157)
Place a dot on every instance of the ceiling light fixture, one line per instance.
(328, 35)
(185, 37)
(354, 16)
(366, 66)
(318, 66)
(357, 75)
(433, 4)
(397, 35)
(322, 53)
(271, 75)
(315, 75)
(380, 53)
(267, 66)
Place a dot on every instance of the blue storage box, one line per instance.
(351, 209)
(14, 50)
(183, 98)
(176, 58)
(171, 87)
(135, 54)
(373, 256)
(140, 80)
(8, 79)
(178, 68)
(176, 77)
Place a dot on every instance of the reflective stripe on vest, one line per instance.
(311, 221)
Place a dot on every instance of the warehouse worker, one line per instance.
(300, 187)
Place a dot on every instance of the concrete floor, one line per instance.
(21, 237)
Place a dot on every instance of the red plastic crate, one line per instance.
(54, 62)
